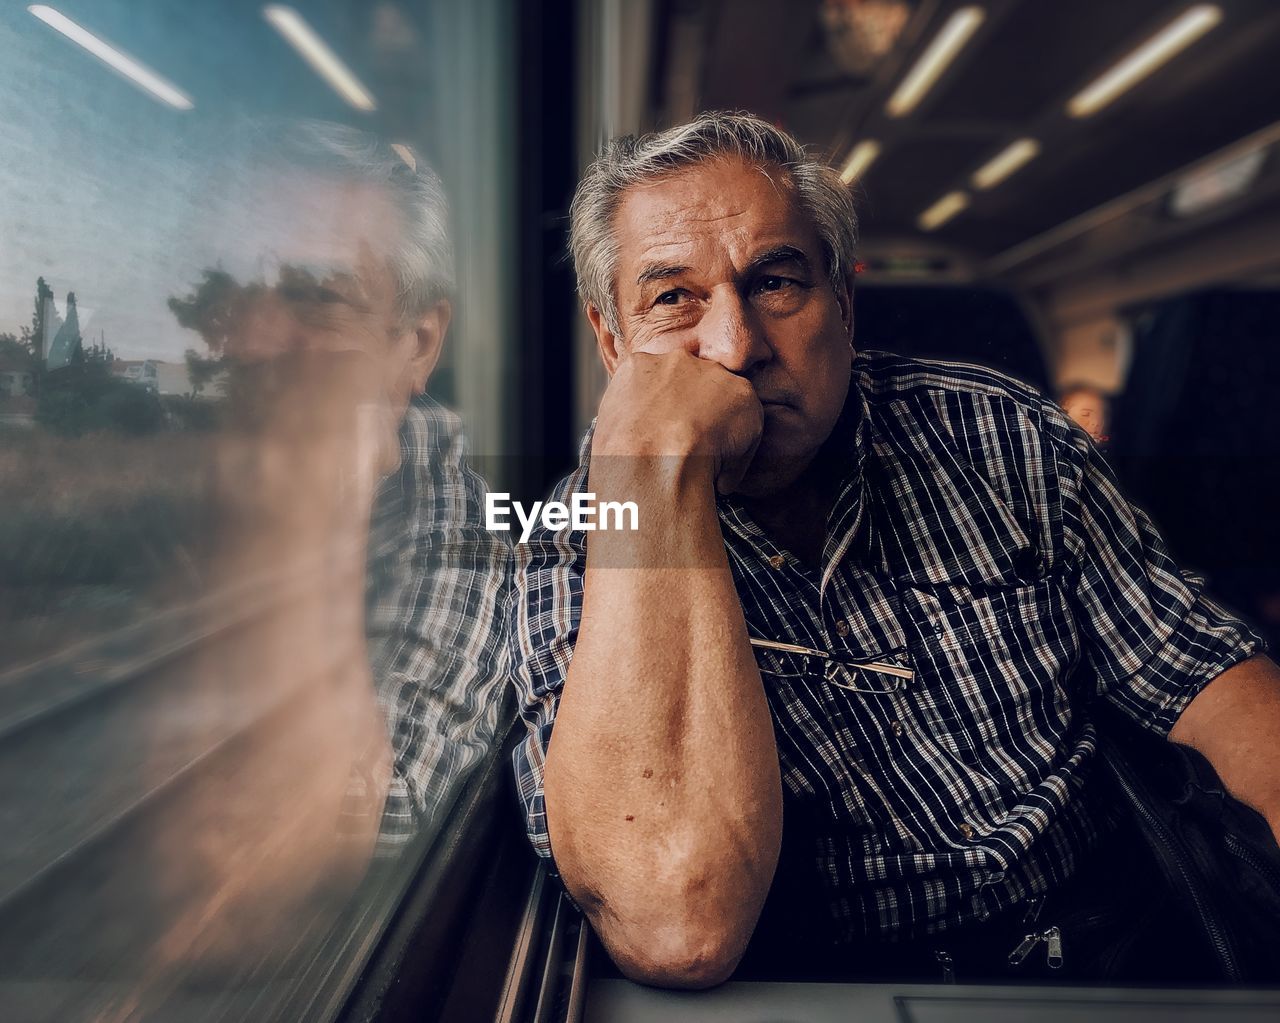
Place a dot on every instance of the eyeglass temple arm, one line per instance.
(876, 667)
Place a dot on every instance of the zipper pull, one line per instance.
(948, 966)
(1025, 948)
(1053, 939)
(1033, 911)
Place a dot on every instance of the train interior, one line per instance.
(1085, 196)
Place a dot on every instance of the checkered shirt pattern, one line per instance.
(980, 537)
(436, 622)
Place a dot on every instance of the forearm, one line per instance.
(662, 784)
(1235, 722)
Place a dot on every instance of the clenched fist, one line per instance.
(676, 404)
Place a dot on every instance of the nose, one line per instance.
(730, 334)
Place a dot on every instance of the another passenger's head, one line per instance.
(1087, 406)
(722, 238)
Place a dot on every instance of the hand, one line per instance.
(676, 404)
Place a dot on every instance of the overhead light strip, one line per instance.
(406, 154)
(316, 52)
(1123, 205)
(862, 157)
(141, 75)
(943, 210)
(1156, 51)
(1008, 161)
(959, 28)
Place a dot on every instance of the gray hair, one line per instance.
(631, 160)
(421, 260)
(420, 255)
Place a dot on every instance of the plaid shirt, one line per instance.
(979, 537)
(435, 619)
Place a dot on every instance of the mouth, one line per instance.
(775, 408)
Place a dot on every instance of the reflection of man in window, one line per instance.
(343, 486)
(856, 603)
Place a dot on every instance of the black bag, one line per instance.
(1216, 855)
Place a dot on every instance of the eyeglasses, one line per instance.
(791, 660)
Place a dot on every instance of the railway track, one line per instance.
(33, 693)
(124, 917)
(124, 789)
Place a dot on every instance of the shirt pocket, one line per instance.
(992, 663)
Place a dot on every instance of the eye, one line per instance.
(773, 282)
(671, 297)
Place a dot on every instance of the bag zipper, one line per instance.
(1053, 938)
(1217, 937)
(1242, 852)
(1025, 947)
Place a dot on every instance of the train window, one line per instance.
(287, 296)
(255, 300)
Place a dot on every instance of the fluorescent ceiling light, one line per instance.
(164, 91)
(863, 155)
(942, 211)
(406, 153)
(1004, 163)
(1160, 48)
(315, 51)
(1218, 183)
(941, 52)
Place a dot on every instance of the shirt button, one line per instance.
(966, 829)
(896, 727)
(777, 561)
(842, 628)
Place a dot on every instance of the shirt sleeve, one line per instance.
(1152, 635)
(436, 622)
(546, 612)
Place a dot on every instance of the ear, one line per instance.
(429, 335)
(844, 298)
(608, 343)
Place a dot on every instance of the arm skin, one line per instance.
(1235, 722)
(664, 801)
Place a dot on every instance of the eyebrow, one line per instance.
(660, 272)
(778, 254)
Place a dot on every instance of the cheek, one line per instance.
(652, 340)
(821, 369)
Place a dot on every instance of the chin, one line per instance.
(772, 472)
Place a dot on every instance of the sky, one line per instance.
(106, 191)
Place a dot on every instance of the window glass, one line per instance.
(255, 303)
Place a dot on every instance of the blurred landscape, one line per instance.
(95, 531)
(105, 471)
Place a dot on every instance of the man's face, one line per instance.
(717, 260)
(325, 293)
(327, 286)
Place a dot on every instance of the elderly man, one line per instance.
(856, 603)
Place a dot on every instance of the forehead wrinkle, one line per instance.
(696, 226)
